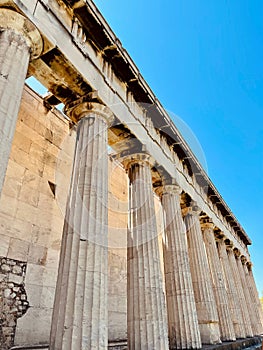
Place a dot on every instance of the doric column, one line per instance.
(251, 302)
(204, 297)
(242, 302)
(248, 301)
(182, 316)
(233, 296)
(218, 282)
(147, 315)
(20, 41)
(254, 295)
(80, 316)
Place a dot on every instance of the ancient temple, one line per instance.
(111, 233)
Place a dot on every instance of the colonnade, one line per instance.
(208, 298)
(210, 294)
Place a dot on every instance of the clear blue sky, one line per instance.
(204, 61)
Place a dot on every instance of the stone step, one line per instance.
(248, 344)
(254, 343)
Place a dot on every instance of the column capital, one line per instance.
(219, 235)
(128, 158)
(19, 25)
(207, 224)
(237, 253)
(249, 265)
(243, 260)
(192, 209)
(85, 105)
(229, 245)
(168, 189)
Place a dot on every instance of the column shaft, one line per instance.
(204, 297)
(147, 315)
(255, 297)
(248, 300)
(225, 321)
(17, 39)
(182, 316)
(80, 316)
(257, 326)
(233, 296)
(242, 302)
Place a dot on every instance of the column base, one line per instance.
(210, 333)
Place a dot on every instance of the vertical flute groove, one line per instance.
(202, 284)
(234, 304)
(182, 315)
(147, 321)
(81, 320)
(243, 307)
(225, 321)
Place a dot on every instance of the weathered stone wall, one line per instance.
(31, 217)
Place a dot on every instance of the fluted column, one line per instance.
(248, 301)
(218, 282)
(233, 296)
(254, 295)
(80, 316)
(182, 316)
(242, 302)
(20, 41)
(147, 315)
(244, 291)
(252, 304)
(204, 297)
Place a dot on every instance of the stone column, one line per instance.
(204, 297)
(182, 316)
(254, 295)
(80, 316)
(242, 302)
(218, 282)
(147, 315)
(20, 41)
(233, 296)
(248, 301)
(251, 301)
